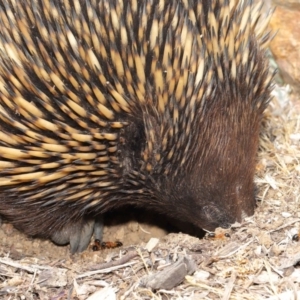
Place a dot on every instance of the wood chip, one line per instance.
(171, 276)
(152, 244)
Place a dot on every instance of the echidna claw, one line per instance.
(98, 228)
(80, 239)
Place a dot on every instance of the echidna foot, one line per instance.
(78, 235)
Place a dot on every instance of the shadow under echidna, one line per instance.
(150, 103)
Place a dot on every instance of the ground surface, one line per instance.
(258, 259)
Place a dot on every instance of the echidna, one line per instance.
(151, 103)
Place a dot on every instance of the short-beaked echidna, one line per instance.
(151, 103)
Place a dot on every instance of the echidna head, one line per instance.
(210, 182)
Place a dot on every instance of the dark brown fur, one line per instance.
(192, 157)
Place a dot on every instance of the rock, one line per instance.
(285, 46)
